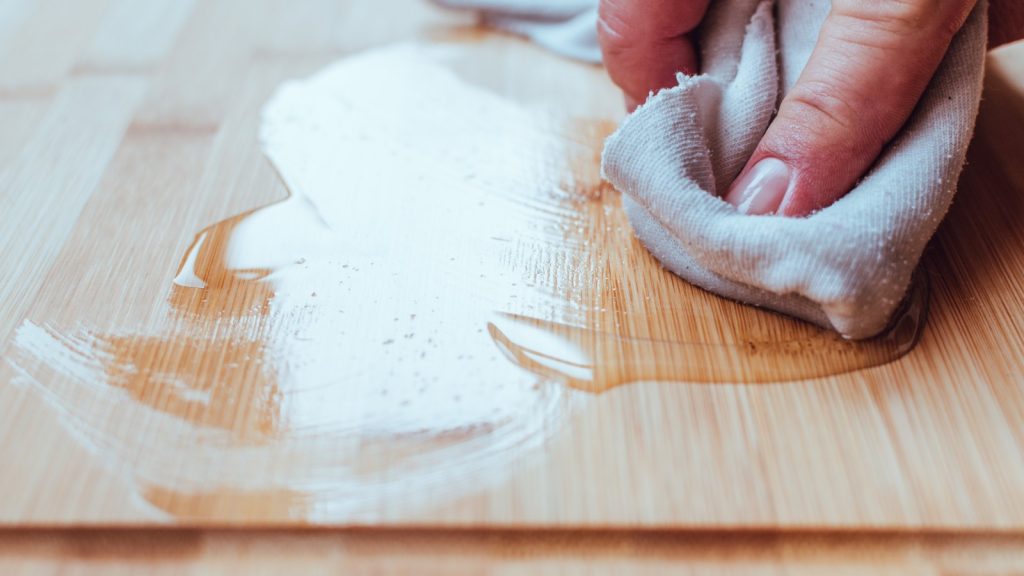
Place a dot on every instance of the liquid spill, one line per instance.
(598, 361)
(414, 321)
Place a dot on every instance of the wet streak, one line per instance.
(595, 361)
(447, 275)
(207, 286)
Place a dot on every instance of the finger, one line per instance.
(543, 10)
(644, 43)
(872, 63)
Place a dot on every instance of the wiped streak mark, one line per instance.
(191, 467)
(318, 358)
(595, 361)
(412, 323)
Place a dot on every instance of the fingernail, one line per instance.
(761, 189)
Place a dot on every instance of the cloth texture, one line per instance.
(846, 267)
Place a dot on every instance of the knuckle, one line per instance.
(614, 27)
(882, 20)
(613, 39)
(610, 38)
(615, 49)
(648, 20)
(817, 108)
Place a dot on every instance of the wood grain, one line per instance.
(135, 127)
(388, 552)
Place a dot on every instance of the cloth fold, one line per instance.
(846, 267)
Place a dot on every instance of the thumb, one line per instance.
(872, 63)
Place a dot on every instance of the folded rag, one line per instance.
(847, 266)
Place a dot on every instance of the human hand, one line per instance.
(871, 65)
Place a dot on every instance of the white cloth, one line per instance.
(846, 267)
(567, 27)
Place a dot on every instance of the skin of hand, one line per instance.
(871, 64)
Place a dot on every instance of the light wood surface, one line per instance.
(388, 552)
(577, 385)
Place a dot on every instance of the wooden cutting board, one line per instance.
(426, 309)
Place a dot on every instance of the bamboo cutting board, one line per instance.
(416, 303)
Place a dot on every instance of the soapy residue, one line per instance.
(414, 322)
